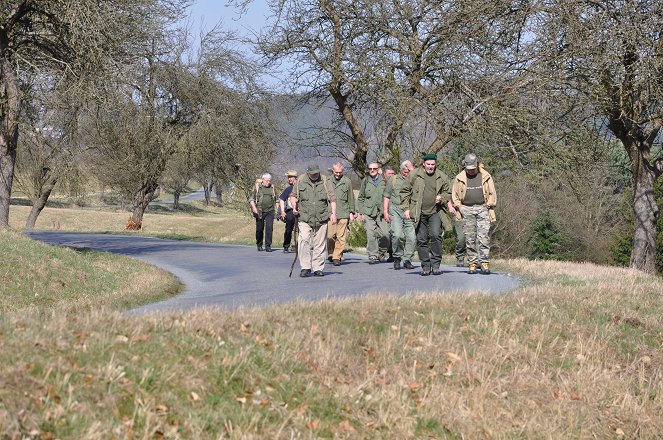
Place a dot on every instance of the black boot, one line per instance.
(259, 248)
(285, 249)
(397, 263)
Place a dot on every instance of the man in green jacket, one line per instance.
(312, 200)
(337, 234)
(403, 237)
(263, 202)
(424, 195)
(371, 192)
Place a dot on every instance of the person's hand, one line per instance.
(451, 207)
(387, 217)
(438, 199)
(363, 218)
(406, 214)
(333, 218)
(283, 215)
(255, 210)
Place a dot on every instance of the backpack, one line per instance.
(258, 193)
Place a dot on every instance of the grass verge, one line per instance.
(575, 353)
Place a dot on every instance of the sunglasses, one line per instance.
(371, 168)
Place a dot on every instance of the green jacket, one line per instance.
(313, 200)
(412, 194)
(370, 198)
(345, 197)
(393, 191)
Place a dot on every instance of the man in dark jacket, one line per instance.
(424, 196)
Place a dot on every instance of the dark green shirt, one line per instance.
(428, 201)
(474, 191)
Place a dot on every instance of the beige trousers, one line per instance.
(312, 246)
(337, 235)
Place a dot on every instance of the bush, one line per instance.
(357, 235)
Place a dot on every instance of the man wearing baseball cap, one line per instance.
(474, 198)
(313, 201)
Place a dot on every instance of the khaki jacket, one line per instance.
(488, 186)
(370, 198)
(313, 200)
(412, 194)
(345, 197)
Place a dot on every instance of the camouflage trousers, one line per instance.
(476, 226)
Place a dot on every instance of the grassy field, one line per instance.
(576, 352)
(194, 221)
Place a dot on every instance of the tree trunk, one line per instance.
(643, 255)
(141, 202)
(9, 112)
(208, 191)
(219, 194)
(176, 199)
(40, 203)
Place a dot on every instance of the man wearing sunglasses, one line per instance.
(370, 203)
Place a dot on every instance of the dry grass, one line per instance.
(197, 222)
(575, 353)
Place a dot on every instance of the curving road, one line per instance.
(231, 276)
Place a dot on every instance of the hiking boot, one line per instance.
(285, 249)
(304, 273)
(436, 271)
(425, 271)
(329, 258)
(336, 262)
(407, 264)
(259, 248)
(268, 248)
(485, 270)
(373, 260)
(397, 263)
(460, 263)
(318, 273)
(472, 268)
(390, 259)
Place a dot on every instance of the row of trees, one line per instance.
(513, 78)
(118, 91)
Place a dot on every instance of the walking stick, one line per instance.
(296, 237)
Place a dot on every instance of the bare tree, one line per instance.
(49, 124)
(608, 57)
(56, 36)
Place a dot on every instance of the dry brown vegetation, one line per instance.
(574, 353)
(205, 223)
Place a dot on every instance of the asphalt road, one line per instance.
(231, 276)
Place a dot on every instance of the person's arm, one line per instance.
(252, 202)
(406, 195)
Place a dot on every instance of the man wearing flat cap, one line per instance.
(474, 198)
(312, 200)
(424, 198)
(286, 210)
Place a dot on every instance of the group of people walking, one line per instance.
(401, 212)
